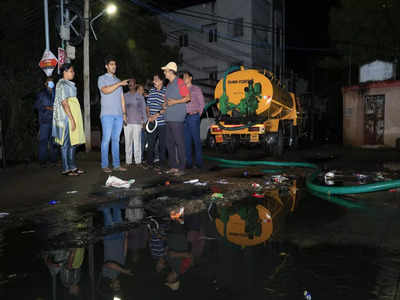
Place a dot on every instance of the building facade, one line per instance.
(216, 35)
(371, 114)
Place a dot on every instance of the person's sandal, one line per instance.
(171, 171)
(107, 170)
(70, 173)
(79, 171)
(120, 169)
(179, 173)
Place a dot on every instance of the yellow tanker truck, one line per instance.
(254, 110)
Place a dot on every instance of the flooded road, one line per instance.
(131, 248)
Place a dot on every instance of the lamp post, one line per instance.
(110, 9)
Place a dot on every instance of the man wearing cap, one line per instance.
(176, 95)
(194, 108)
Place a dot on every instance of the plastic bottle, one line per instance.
(52, 202)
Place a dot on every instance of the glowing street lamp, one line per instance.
(110, 10)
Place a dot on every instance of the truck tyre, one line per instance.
(210, 141)
(280, 143)
(267, 146)
(232, 145)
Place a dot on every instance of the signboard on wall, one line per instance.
(376, 71)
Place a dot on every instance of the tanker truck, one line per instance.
(254, 109)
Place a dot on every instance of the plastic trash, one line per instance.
(279, 178)
(178, 215)
(217, 196)
(116, 182)
(191, 181)
(245, 173)
(307, 295)
(256, 186)
(329, 182)
(52, 202)
(3, 214)
(256, 195)
(329, 176)
(222, 181)
(27, 231)
(72, 192)
(361, 176)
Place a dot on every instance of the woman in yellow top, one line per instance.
(67, 121)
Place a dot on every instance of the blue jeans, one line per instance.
(112, 127)
(192, 136)
(47, 148)
(68, 152)
(113, 243)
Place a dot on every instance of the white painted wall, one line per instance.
(201, 57)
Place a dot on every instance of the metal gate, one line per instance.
(374, 119)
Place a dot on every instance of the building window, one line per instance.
(211, 32)
(183, 40)
(213, 75)
(238, 27)
(212, 35)
(278, 37)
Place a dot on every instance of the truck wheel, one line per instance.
(210, 142)
(295, 138)
(267, 146)
(232, 145)
(280, 143)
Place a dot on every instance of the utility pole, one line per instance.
(86, 78)
(46, 23)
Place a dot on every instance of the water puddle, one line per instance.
(272, 241)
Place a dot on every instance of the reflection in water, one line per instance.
(236, 250)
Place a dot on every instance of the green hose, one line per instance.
(261, 163)
(316, 189)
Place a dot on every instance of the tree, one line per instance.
(363, 31)
(133, 35)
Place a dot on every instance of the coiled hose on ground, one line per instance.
(321, 191)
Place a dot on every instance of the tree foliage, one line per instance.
(363, 31)
(132, 35)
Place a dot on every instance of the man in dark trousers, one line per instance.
(194, 108)
(176, 96)
(44, 105)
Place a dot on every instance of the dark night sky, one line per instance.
(307, 27)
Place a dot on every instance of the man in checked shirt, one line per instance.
(194, 109)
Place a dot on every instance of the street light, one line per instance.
(110, 9)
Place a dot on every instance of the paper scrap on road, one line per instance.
(72, 192)
(191, 181)
(3, 214)
(116, 182)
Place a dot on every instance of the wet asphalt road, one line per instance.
(329, 250)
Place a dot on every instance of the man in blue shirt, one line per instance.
(112, 115)
(44, 105)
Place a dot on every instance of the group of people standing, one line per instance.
(176, 109)
(171, 113)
